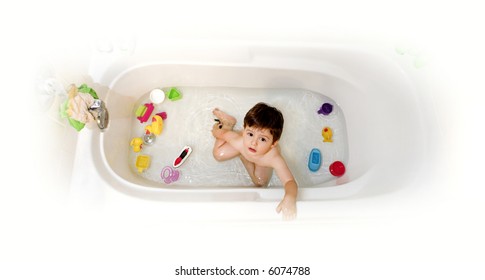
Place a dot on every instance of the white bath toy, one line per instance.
(157, 96)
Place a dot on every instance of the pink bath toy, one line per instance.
(163, 115)
(146, 115)
(169, 175)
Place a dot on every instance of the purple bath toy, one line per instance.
(169, 175)
(326, 109)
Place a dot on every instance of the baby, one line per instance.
(257, 147)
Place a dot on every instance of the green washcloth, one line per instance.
(85, 89)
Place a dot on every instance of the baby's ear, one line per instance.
(274, 143)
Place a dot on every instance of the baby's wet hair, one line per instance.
(263, 116)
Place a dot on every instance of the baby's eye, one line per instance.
(263, 139)
(250, 134)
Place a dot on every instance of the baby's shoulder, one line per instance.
(274, 155)
(237, 141)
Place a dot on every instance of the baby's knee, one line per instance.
(260, 182)
(221, 154)
(218, 156)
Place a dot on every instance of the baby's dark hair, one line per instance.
(263, 116)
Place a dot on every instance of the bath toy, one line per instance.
(157, 96)
(169, 175)
(186, 151)
(142, 163)
(149, 139)
(163, 115)
(156, 127)
(337, 168)
(146, 114)
(174, 94)
(327, 134)
(315, 160)
(140, 111)
(326, 109)
(136, 143)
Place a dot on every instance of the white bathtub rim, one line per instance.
(259, 56)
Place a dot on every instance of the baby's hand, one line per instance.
(288, 206)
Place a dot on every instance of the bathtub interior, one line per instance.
(189, 122)
(384, 124)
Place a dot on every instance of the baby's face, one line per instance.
(257, 141)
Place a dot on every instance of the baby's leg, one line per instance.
(222, 150)
(259, 175)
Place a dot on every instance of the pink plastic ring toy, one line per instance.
(169, 175)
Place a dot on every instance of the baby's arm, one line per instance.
(288, 203)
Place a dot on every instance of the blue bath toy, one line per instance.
(326, 109)
(315, 160)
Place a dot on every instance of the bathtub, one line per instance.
(390, 127)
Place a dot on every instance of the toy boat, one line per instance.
(186, 151)
(315, 160)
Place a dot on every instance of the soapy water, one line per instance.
(189, 122)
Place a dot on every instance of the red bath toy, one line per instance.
(186, 151)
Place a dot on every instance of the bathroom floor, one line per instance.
(189, 123)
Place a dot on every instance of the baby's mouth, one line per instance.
(252, 150)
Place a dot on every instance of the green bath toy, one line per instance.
(174, 94)
(141, 110)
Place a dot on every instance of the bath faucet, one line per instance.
(100, 113)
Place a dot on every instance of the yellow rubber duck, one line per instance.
(327, 134)
(156, 127)
(136, 143)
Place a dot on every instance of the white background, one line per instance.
(41, 238)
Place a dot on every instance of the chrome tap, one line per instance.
(100, 113)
